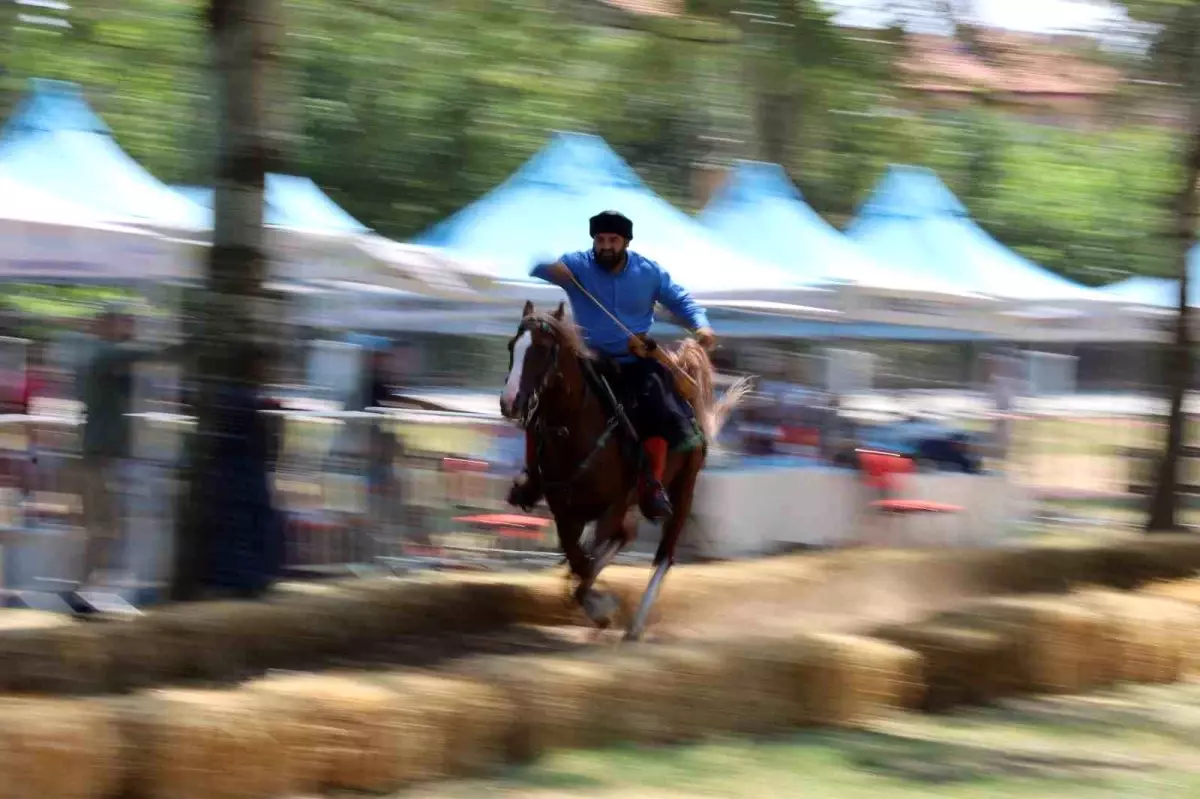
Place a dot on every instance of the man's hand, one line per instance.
(706, 338)
(558, 274)
(637, 345)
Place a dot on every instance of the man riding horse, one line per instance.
(613, 291)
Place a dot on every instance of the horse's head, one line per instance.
(534, 361)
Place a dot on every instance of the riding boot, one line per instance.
(526, 490)
(655, 504)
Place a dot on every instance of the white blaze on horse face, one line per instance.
(513, 384)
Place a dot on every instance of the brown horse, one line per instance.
(585, 458)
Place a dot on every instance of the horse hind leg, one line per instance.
(682, 490)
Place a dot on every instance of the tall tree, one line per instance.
(1175, 57)
(244, 39)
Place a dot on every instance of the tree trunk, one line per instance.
(1164, 504)
(243, 36)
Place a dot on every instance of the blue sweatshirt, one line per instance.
(629, 294)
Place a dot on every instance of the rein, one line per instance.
(541, 429)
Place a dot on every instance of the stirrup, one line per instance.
(653, 501)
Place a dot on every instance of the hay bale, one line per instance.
(757, 686)
(450, 726)
(822, 679)
(361, 613)
(1182, 590)
(693, 691)
(846, 679)
(343, 732)
(1040, 569)
(61, 748)
(51, 653)
(187, 744)
(1147, 638)
(556, 700)
(694, 591)
(1131, 564)
(219, 641)
(960, 665)
(1059, 644)
(489, 602)
(644, 705)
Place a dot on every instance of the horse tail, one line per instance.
(712, 413)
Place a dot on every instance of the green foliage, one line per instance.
(405, 111)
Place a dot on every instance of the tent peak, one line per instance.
(578, 161)
(750, 181)
(52, 105)
(912, 191)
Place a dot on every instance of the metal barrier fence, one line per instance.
(401, 486)
(354, 488)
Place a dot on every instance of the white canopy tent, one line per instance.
(44, 237)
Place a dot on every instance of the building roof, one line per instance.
(1004, 61)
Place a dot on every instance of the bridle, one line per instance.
(540, 428)
(534, 325)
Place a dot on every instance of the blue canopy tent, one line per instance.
(912, 219)
(297, 208)
(56, 142)
(541, 212)
(760, 212)
(292, 202)
(1160, 292)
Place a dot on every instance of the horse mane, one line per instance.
(712, 413)
(568, 334)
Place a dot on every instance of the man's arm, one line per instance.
(562, 271)
(681, 303)
(557, 273)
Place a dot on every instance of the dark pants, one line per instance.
(646, 389)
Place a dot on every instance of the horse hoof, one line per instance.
(601, 608)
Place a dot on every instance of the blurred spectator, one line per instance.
(246, 531)
(1003, 377)
(948, 453)
(107, 393)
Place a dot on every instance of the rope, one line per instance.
(601, 306)
(659, 356)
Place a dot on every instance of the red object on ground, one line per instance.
(505, 519)
(905, 506)
(882, 469)
(463, 465)
(508, 525)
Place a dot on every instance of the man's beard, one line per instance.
(609, 259)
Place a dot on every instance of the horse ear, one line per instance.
(528, 310)
(560, 311)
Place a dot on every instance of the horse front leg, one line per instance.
(682, 489)
(609, 537)
(600, 608)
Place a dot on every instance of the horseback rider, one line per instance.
(607, 281)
